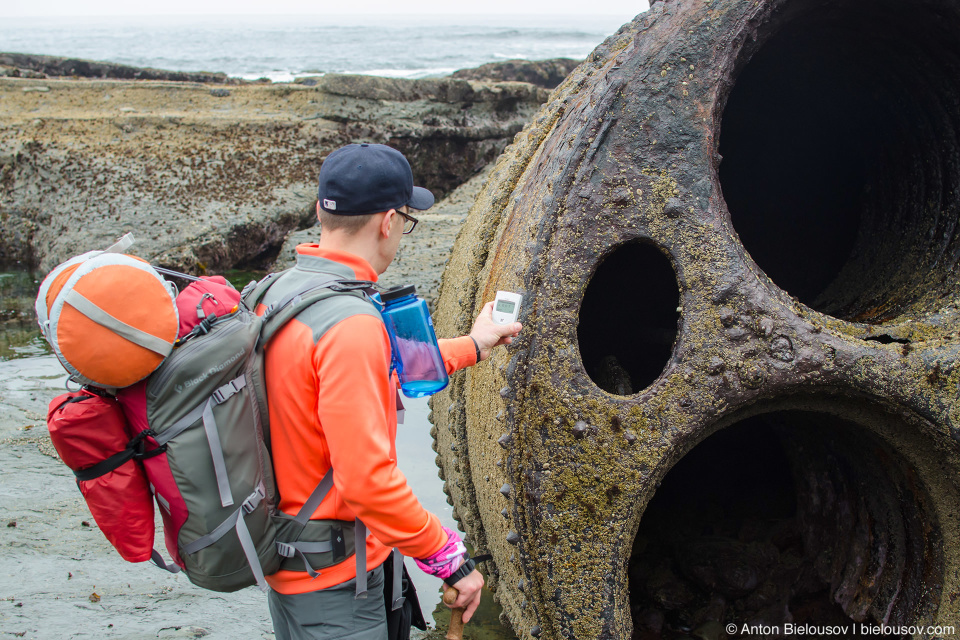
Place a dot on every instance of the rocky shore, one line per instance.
(211, 175)
(25, 65)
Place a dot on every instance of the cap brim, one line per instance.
(421, 199)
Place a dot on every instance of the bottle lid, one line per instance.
(398, 292)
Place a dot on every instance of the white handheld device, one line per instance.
(506, 307)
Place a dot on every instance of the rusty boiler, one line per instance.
(736, 228)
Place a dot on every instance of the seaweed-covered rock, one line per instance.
(543, 73)
(209, 180)
(32, 65)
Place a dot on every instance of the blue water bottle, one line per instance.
(415, 350)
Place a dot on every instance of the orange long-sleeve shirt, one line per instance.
(332, 401)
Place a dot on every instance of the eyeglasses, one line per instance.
(409, 222)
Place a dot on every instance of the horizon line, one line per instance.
(434, 14)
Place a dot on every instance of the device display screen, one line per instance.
(505, 306)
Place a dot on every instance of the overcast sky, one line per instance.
(625, 8)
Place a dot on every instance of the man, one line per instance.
(333, 404)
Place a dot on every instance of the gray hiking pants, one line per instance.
(332, 613)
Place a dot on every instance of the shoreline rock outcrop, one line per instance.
(543, 73)
(210, 178)
(28, 65)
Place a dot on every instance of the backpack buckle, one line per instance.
(222, 394)
(204, 327)
(253, 500)
(285, 550)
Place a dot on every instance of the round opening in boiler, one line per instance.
(789, 517)
(628, 319)
(840, 147)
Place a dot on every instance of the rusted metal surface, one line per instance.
(724, 139)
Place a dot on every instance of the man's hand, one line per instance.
(488, 334)
(469, 598)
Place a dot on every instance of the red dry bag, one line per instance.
(90, 434)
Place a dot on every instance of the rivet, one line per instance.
(727, 317)
(506, 489)
(673, 208)
(579, 429)
(752, 376)
(505, 440)
(716, 366)
(766, 327)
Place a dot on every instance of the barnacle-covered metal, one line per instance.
(735, 397)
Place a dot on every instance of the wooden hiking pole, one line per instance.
(455, 632)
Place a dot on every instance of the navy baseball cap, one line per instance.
(368, 178)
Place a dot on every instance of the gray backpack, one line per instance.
(204, 445)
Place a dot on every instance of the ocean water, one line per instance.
(283, 48)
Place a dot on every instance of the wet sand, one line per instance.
(60, 578)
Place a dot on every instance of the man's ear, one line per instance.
(387, 222)
(318, 211)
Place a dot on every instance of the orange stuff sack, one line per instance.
(110, 318)
(89, 432)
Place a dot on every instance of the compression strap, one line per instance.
(122, 329)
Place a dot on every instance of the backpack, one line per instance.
(200, 434)
(206, 407)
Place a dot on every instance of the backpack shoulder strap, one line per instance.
(312, 292)
(253, 294)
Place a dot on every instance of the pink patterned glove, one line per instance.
(447, 560)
